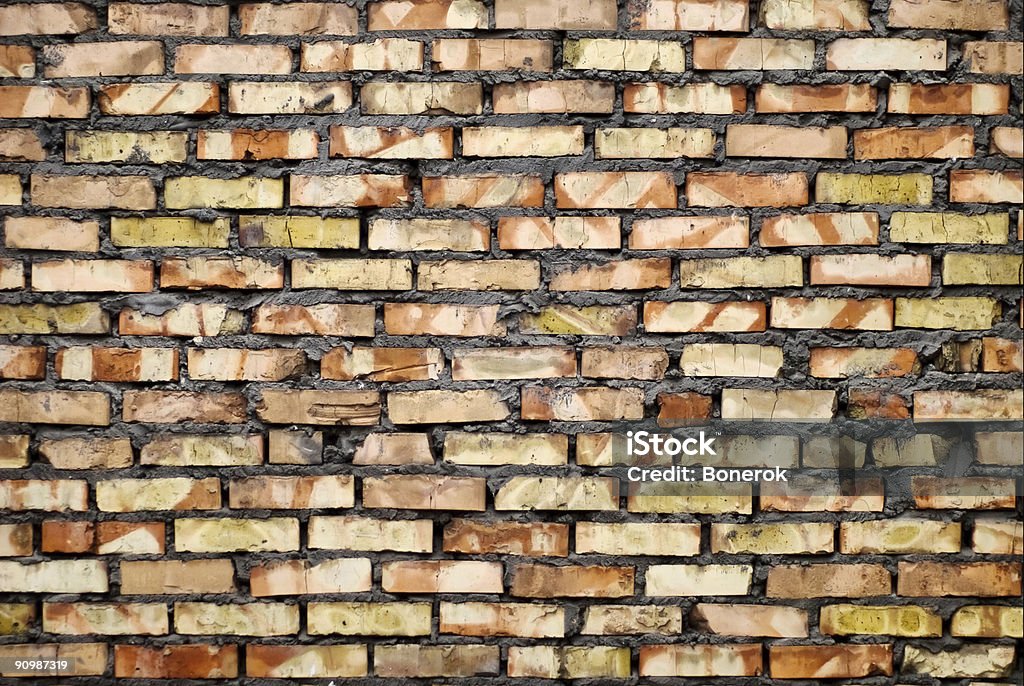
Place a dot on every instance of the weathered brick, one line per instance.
(874, 54)
(549, 581)
(835, 15)
(491, 190)
(845, 97)
(167, 19)
(978, 185)
(954, 98)
(383, 54)
(443, 406)
(435, 661)
(424, 492)
(722, 660)
(948, 227)
(185, 97)
(382, 364)
(303, 18)
(553, 97)
(301, 406)
(994, 57)
(369, 619)
(47, 18)
(491, 54)
(442, 576)
(936, 579)
(421, 98)
(301, 577)
(960, 313)
(198, 661)
(974, 15)
(558, 14)
(249, 144)
(266, 97)
(478, 275)
(44, 102)
(540, 539)
(361, 533)
(698, 98)
(830, 661)
(117, 364)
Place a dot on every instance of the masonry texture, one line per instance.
(323, 324)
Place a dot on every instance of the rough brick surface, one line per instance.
(322, 321)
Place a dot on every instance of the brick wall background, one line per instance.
(322, 321)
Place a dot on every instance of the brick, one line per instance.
(540, 493)
(190, 97)
(185, 232)
(302, 18)
(224, 535)
(595, 403)
(47, 18)
(171, 407)
(447, 192)
(420, 15)
(623, 55)
(731, 359)
(391, 143)
(21, 145)
(808, 538)
(365, 190)
(424, 492)
(841, 363)
(961, 313)
(410, 319)
(249, 619)
(638, 274)
(994, 57)
(638, 539)
(10, 190)
(939, 579)
(830, 661)
(954, 98)
(369, 619)
(383, 54)
(13, 450)
(979, 404)
(998, 447)
(692, 316)
(522, 141)
(90, 658)
(624, 363)
(17, 61)
(974, 15)
(500, 448)
(325, 319)
(653, 143)
(16, 618)
(478, 275)
(986, 621)
(93, 192)
(200, 319)
(871, 270)
(117, 364)
(513, 363)
(442, 576)
(301, 577)
(862, 189)
(119, 58)
(84, 318)
(195, 450)
(727, 189)
(502, 619)
(26, 102)
(304, 661)
(421, 98)
(442, 406)
(538, 233)
(220, 272)
(128, 538)
(616, 620)
(394, 448)
(975, 493)
(559, 14)
(167, 19)
(84, 453)
(299, 406)
(986, 186)
(688, 15)
(721, 660)
(22, 362)
(759, 140)
(698, 98)
(1007, 141)
(54, 576)
(90, 408)
(459, 235)
(157, 147)
(940, 142)
(167, 577)
(828, 581)
(122, 276)
(176, 662)
(300, 446)
(256, 231)
(553, 97)
(749, 620)
(491, 54)
(690, 232)
(105, 618)
(435, 661)
(629, 190)
(571, 662)
(752, 53)
(321, 97)
(549, 581)
(291, 492)
(249, 144)
(948, 227)
(232, 59)
(184, 192)
(967, 268)
(535, 539)
(1002, 355)
(382, 364)
(585, 321)
(966, 661)
(845, 97)
(852, 620)
(834, 15)
(344, 274)
(742, 272)
(361, 533)
(15, 540)
(876, 54)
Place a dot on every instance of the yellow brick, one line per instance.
(372, 275)
(624, 55)
(653, 143)
(957, 313)
(152, 147)
(369, 619)
(949, 227)
(184, 192)
(298, 232)
(854, 620)
(176, 232)
(967, 268)
(863, 189)
(742, 272)
(10, 189)
(988, 621)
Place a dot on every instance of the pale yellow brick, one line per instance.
(964, 313)
(635, 142)
(352, 274)
(185, 192)
(949, 227)
(170, 232)
(623, 55)
(731, 359)
(522, 141)
(369, 619)
(152, 147)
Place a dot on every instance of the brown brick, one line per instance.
(830, 662)
(491, 54)
(196, 661)
(44, 102)
(535, 539)
(302, 18)
(727, 189)
(17, 61)
(828, 581)
(771, 97)
(549, 581)
(553, 97)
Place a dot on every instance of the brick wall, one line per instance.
(322, 322)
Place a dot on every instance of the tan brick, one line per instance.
(369, 619)
(950, 98)
(960, 313)
(390, 143)
(130, 495)
(394, 448)
(972, 15)
(93, 192)
(196, 450)
(427, 234)
(50, 496)
(701, 660)
(482, 191)
(966, 661)
(742, 272)
(17, 61)
(513, 363)
(553, 97)
(250, 144)
(424, 492)
(46, 18)
(347, 274)
(828, 581)
(224, 535)
(121, 276)
(383, 54)
(54, 576)
(299, 406)
(613, 54)
(413, 15)
(382, 364)
(830, 661)
(631, 190)
(190, 97)
(167, 19)
(901, 536)
(558, 14)
(871, 270)
(896, 143)
(21, 145)
(798, 405)
(361, 533)
(558, 493)
(618, 620)
(421, 98)
(1006, 140)
(325, 319)
(491, 54)
(442, 576)
(653, 143)
(861, 189)
(538, 233)
(299, 446)
(537, 539)
(412, 319)
(979, 185)
(731, 359)
(436, 660)
(809, 538)
(692, 316)
(624, 362)
(688, 15)
(82, 318)
(752, 53)
(365, 190)
(172, 407)
(835, 15)
(522, 141)
(699, 98)
(749, 620)
(935, 579)
(23, 362)
(12, 275)
(184, 192)
(321, 97)
(635, 274)
(978, 404)
(595, 403)
(248, 619)
(291, 492)
(90, 408)
(175, 577)
(478, 275)
(875, 54)
(760, 140)
(948, 227)
(117, 364)
(104, 59)
(302, 577)
(968, 268)
(1002, 355)
(501, 619)
(987, 621)
(232, 59)
(302, 18)
(994, 57)
(846, 97)
(256, 231)
(186, 232)
(27, 102)
(549, 581)
(304, 661)
(638, 539)
(569, 662)
(998, 447)
(584, 321)
(195, 273)
(841, 363)
(441, 406)
(201, 319)
(727, 189)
